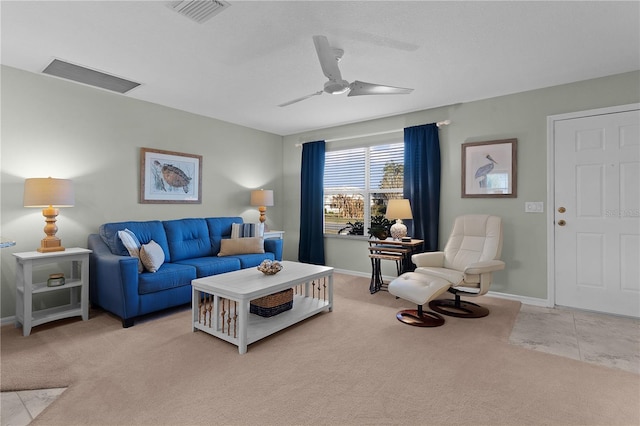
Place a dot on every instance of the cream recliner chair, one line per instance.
(465, 267)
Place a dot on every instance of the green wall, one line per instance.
(522, 116)
(51, 127)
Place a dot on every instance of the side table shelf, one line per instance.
(77, 285)
(273, 234)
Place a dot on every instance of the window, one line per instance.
(358, 182)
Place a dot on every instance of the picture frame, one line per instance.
(168, 177)
(489, 169)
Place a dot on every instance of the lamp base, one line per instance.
(48, 245)
(50, 242)
(398, 230)
(263, 213)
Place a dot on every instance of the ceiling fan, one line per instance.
(329, 58)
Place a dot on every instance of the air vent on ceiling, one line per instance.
(88, 76)
(199, 10)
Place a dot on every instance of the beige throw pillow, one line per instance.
(152, 256)
(230, 247)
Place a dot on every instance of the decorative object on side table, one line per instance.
(4, 243)
(49, 193)
(55, 280)
(399, 209)
(270, 267)
(262, 198)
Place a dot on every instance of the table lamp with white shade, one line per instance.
(50, 194)
(398, 209)
(262, 198)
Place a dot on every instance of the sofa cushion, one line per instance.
(219, 228)
(253, 260)
(144, 231)
(152, 256)
(170, 275)
(187, 238)
(232, 246)
(207, 266)
(131, 243)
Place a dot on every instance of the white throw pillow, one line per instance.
(132, 244)
(152, 256)
(236, 229)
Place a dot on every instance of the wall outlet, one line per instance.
(534, 206)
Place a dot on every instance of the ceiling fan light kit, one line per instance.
(336, 85)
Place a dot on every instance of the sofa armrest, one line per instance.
(433, 259)
(274, 245)
(113, 279)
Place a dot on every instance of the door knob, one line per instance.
(562, 223)
(562, 210)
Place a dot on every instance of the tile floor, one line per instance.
(19, 408)
(601, 339)
(607, 340)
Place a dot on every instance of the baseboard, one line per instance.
(522, 299)
(8, 320)
(356, 273)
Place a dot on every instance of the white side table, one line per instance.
(26, 288)
(273, 234)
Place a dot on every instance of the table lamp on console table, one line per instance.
(262, 198)
(50, 194)
(398, 209)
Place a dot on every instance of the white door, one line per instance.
(597, 212)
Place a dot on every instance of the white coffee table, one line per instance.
(220, 303)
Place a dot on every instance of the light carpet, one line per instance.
(355, 365)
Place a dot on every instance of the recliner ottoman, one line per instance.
(419, 289)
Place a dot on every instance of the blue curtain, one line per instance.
(422, 181)
(311, 244)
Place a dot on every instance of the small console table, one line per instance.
(26, 288)
(397, 250)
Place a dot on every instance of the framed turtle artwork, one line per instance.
(170, 177)
(489, 169)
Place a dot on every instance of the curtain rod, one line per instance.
(439, 124)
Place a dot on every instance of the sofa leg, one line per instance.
(126, 323)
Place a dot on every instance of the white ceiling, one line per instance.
(253, 56)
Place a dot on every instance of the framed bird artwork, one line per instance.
(489, 169)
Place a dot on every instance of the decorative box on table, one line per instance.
(272, 304)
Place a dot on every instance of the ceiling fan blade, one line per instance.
(359, 88)
(319, 92)
(327, 58)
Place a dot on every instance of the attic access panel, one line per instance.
(88, 76)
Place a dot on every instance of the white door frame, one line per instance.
(551, 209)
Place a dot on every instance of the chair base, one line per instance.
(419, 318)
(458, 308)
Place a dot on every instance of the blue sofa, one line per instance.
(190, 247)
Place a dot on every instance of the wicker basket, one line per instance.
(272, 304)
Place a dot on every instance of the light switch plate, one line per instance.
(534, 207)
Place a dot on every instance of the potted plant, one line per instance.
(355, 228)
(380, 227)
